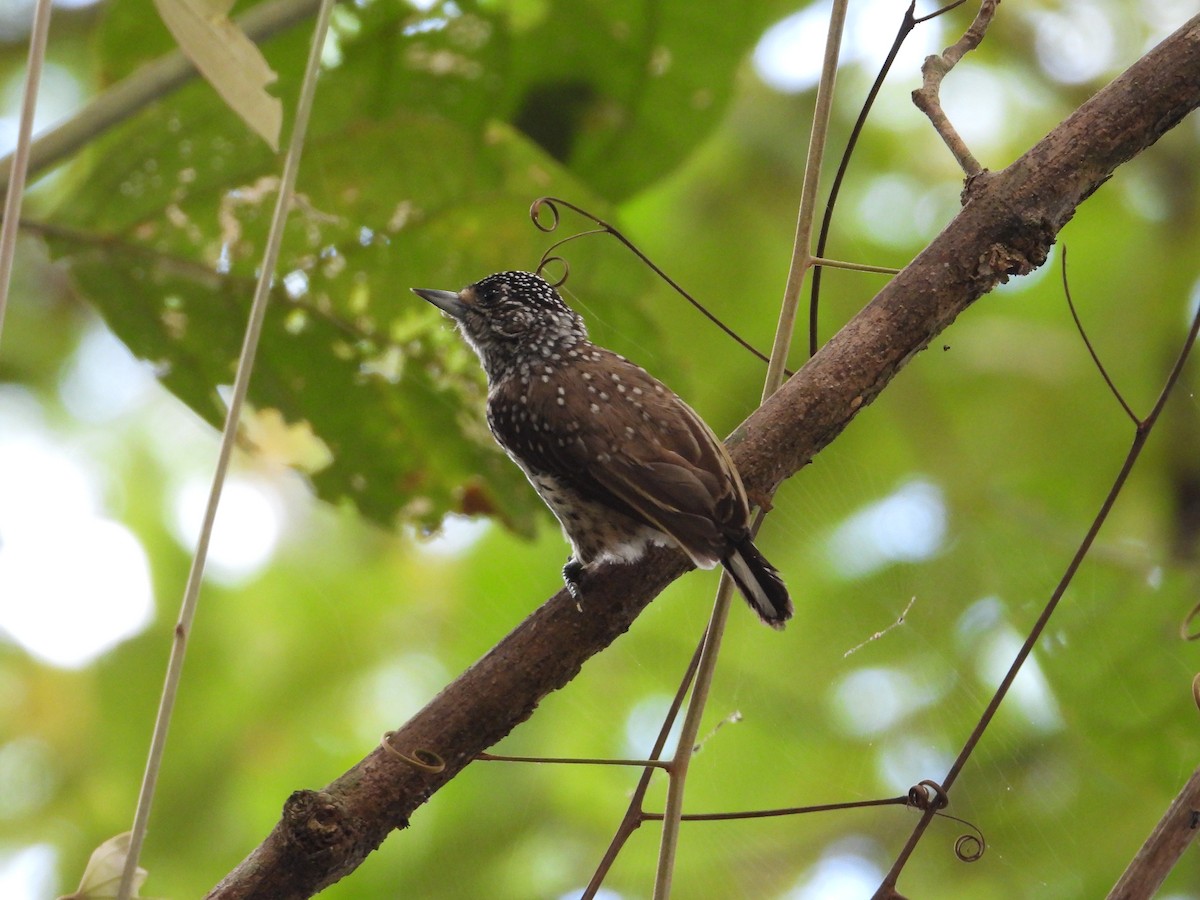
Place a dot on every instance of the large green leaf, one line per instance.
(412, 176)
(380, 377)
(619, 92)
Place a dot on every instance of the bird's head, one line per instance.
(510, 318)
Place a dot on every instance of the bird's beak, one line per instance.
(449, 302)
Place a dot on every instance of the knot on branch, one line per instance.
(314, 825)
(1020, 248)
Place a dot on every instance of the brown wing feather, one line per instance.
(630, 443)
(695, 532)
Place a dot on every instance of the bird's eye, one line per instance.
(513, 321)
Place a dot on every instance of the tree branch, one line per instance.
(935, 68)
(1173, 834)
(1005, 229)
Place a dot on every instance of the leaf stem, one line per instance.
(678, 768)
(258, 311)
(776, 368)
(802, 248)
(20, 156)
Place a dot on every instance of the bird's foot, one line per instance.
(761, 499)
(572, 574)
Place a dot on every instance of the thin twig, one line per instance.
(684, 750)
(634, 813)
(818, 262)
(258, 311)
(934, 69)
(907, 24)
(802, 245)
(573, 760)
(20, 163)
(786, 811)
(1087, 343)
(1141, 434)
(552, 204)
(801, 260)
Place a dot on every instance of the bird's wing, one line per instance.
(644, 452)
(662, 494)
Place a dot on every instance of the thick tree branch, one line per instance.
(1005, 229)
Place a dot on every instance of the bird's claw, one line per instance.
(572, 574)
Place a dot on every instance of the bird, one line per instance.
(622, 462)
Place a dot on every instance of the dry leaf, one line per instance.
(228, 59)
(102, 876)
(270, 437)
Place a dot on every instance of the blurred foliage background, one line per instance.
(964, 489)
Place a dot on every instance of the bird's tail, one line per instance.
(759, 583)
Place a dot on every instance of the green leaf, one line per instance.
(617, 92)
(412, 177)
(621, 91)
(380, 378)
